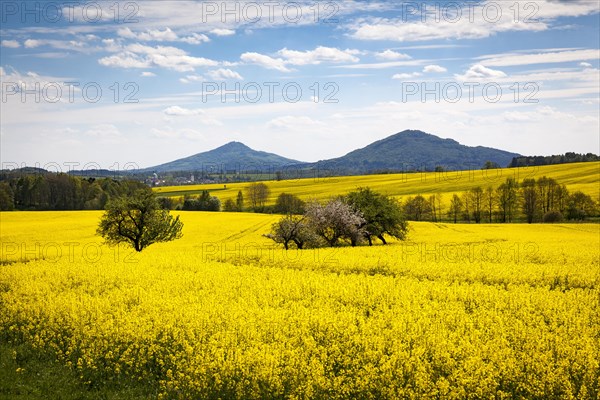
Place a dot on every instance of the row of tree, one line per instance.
(52, 191)
(541, 200)
(528, 161)
(356, 218)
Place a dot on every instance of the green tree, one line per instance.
(382, 214)
(456, 207)
(529, 198)
(293, 229)
(506, 196)
(435, 205)
(139, 221)
(476, 203)
(239, 201)
(289, 204)
(491, 165)
(488, 203)
(205, 202)
(229, 205)
(581, 206)
(258, 193)
(6, 197)
(417, 208)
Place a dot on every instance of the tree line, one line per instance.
(541, 200)
(60, 191)
(569, 157)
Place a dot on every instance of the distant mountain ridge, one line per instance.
(409, 150)
(231, 156)
(417, 151)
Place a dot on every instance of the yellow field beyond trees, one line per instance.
(578, 176)
(455, 312)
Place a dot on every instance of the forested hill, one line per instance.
(416, 150)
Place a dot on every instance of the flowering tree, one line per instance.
(334, 221)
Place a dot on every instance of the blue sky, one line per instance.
(306, 80)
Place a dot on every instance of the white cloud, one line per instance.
(192, 78)
(434, 68)
(570, 8)
(103, 130)
(150, 35)
(12, 44)
(475, 21)
(264, 61)
(177, 111)
(222, 32)
(512, 59)
(29, 80)
(195, 38)
(479, 72)
(294, 123)
(318, 55)
(141, 56)
(293, 57)
(518, 116)
(585, 65)
(223, 74)
(546, 113)
(125, 60)
(147, 74)
(157, 35)
(384, 65)
(406, 76)
(392, 55)
(180, 111)
(32, 43)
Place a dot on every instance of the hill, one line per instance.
(413, 150)
(231, 156)
(409, 150)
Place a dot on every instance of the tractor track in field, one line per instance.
(242, 233)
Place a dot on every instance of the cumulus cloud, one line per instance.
(287, 57)
(142, 56)
(157, 35)
(292, 122)
(180, 111)
(223, 74)
(12, 44)
(222, 32)
(192, 78)
(434, 68)
(32, 43)
(318, 55)
(406, 76)
(177, 111)
(392, 55)
(264, 61)
(479, 72)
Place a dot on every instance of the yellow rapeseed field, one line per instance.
(577, 176)
(455, 312)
